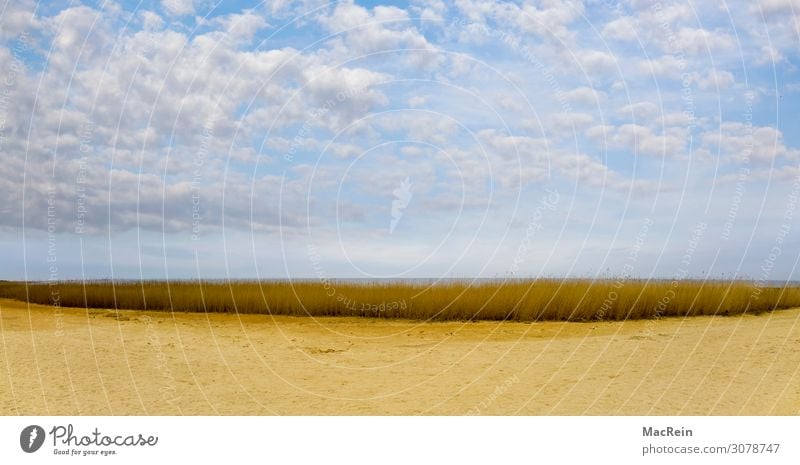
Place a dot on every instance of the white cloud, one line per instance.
(640, 110)
(148, 94)
(624, 28)
(239, 27)
(417, 101)
(777, 6)
(17, 18)
(592, 174)
(714, 80)
(770, 55)
(365, 31)
(79, 32)
(145, 94)
(787, 173)
(564, 125)
(600, 131)
(349, 92)
(550, 18)
(420, 126)
(507, 146)
(431, 12)
(638, 139)
(595, 62)
(744, 143)
(538, 159)
(345, 150)
(672, 28)
(676, 118)
(151, 21)
(547, 19)
(675, 69)
(178, 7)
(665, 66)
(460, 65)
(696, 41)
(584, 96)
(476, 10)
(510, 103)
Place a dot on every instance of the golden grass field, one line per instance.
(78, 361)
(522, 347)
(518, 300)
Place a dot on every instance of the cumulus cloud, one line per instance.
(18, 17)
(178, 7)
(430, 11)
(745, 143)
(259, 122)
(640, 110)
(237, 27)
(140, 116)
(547, 19)
(698, 40)
(714, 80)
(665, 66)
(151, 21)
(563, 125)
(585, 96)
(671, 28)
(777, 6)
(638, 139)
(624, 28)
(538, 160)
(361, 31)
(596, 62)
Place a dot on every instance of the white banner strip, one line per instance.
(400, 440)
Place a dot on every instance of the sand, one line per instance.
(56, 361)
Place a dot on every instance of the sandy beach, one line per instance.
(58, 361)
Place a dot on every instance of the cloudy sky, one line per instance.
(194, 138)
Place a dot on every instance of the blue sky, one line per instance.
(184, 139)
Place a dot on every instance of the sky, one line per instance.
(186, 139)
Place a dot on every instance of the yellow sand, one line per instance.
(78, 362)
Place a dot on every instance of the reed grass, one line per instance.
(529, 300)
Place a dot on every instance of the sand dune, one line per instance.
(77, 362)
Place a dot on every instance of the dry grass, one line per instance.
(543, 299)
